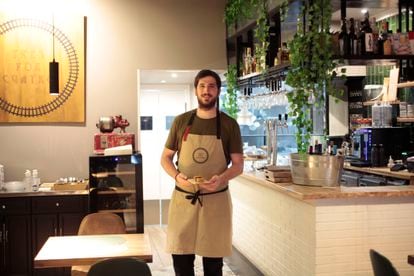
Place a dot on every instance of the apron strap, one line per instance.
(189, 124)
(194, 197)
(218, 124)
(191, 120)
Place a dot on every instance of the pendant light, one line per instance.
(53, 68)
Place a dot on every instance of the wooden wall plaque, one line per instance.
(26, 48)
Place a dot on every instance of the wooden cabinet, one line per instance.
(15, 242)
(55, 216)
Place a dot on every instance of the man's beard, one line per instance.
(206, 106)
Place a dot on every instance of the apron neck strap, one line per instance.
(191, 120)
(218, 124)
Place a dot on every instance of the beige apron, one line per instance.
(203, 228)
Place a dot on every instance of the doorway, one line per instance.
(161, 97)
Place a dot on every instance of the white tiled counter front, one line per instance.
(286, 229)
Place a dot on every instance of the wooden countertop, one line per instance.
(310, 192)
(40, 193)
(383, 171)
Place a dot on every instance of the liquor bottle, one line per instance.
(343, 39)
(387, 42)
(353, 40)
(361, 38)
(382, 37)
(247, 61)
(375, 34)
(358, 37)
(369, 40)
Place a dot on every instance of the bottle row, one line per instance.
(250, 60)
(365, 38)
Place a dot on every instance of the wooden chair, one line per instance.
(98, 224)
(120, 266)
(381, 265)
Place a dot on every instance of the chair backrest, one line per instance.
(101, 223)
(120, 266)
(381, 265)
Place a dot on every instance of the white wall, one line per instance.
(122, 36)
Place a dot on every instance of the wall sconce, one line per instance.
(53, 68)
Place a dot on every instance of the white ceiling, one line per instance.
(171, 76)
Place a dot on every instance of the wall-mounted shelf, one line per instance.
(368, 103)
(256, 79)
(405, 119)
(117, 211)
(106, 174)
(405, 84)
(364, 57)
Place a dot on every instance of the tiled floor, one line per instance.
(236, 265)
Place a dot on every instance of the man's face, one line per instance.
(207, 92)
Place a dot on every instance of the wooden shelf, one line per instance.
(405, 119)
(365, 57)
(116, 191)
(106, 174)
(117, 211)
(405, 84)
(257, 79)
(368, 103)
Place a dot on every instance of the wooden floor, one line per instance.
(161, 260)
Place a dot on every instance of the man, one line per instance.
(200, 213)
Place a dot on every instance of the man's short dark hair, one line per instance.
(206, 73)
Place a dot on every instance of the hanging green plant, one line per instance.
(261, 32)
(311, 71)
(230, 98)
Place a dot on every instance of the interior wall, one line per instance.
(122, 36)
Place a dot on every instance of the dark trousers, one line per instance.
(184, 265)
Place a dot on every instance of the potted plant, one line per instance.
(311, 75)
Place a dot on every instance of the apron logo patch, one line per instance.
(200, 155)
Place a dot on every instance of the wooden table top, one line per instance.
(65, 251)
(410, 259)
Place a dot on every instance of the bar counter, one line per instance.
(288, 229)
(311, 192)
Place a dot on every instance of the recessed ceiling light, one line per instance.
(163, 81)
(364, 11)
(174, 75)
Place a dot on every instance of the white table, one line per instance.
(66, 251)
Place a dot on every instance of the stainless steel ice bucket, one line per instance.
(316, 170)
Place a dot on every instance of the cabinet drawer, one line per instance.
(59, 204)
(14, 205)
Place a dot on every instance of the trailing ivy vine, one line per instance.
(311, 71)
(261, 32)
(230, 98)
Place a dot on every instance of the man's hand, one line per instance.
(212, 184)
(182, 179)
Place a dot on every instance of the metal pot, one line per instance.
(106, 124)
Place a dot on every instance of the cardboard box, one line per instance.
(103, 141)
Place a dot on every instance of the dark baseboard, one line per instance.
(240, 265)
